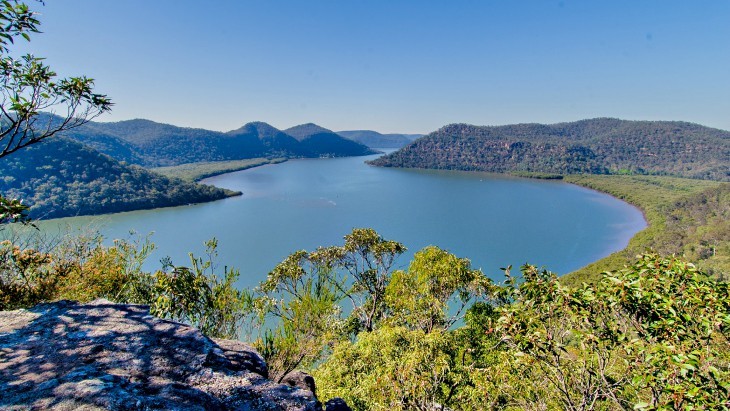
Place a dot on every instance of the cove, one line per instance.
(493, 220)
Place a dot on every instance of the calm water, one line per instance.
(493, 220)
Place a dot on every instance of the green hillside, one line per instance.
(159, 144)
(273, 141)
(321, 142)
(60, 178)
(597, 146)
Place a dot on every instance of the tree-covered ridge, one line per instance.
(159, 144)
(60, 178)
(596, 146)
(321, 142)
(273, 141)
(373, 139)
(152, 144)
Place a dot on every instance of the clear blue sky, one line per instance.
(395, 66)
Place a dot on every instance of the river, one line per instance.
(491, 219)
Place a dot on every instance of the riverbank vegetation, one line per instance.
(197, 171)
(438, 334)
(689, 218)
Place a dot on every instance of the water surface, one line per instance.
(493, 220)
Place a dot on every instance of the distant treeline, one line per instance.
(152, 144)
(597, 146)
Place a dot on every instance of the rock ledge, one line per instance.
(102, 355)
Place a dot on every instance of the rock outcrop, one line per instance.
(102, 355)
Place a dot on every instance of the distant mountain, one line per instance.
(321, 142)
(152, 144)
(596, 146)
(373, 139)
(60, 177)
(274, 142)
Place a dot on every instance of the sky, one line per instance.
(394, 66)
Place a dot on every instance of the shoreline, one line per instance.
(604, 184)
(195, 172)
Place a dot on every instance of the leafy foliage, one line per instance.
(434, 292)
(13, 211)
(83, 269)
(26, 276)
(597, 146)
(301, 295)
(654, 336)
(391, 368)
(305, 291)
(28, 86)
(74, 267)
(196, 295)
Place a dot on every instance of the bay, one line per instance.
(493, 220)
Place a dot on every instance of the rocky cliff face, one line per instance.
(102, 355)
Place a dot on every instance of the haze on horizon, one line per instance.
(406, 67)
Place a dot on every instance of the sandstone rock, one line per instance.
(243, 356)
(300, 379)
(101, 355)
(336, 404)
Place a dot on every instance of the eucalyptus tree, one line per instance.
(35, 103)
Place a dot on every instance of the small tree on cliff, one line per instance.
(35, 103)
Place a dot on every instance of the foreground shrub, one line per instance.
(81, 268)
(27, 276)
(197, 296)
(653, 336)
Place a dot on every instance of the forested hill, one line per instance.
(152, 144)
(272, 141)
(60, 178)
(321, 142)
(157, 144)
(373, 139)
(596, 146)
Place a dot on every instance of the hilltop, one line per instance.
(321, 142)
(270, 140)
(596, 146)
